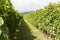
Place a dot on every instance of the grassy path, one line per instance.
(39, 34)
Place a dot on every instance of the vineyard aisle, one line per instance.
(39, 34)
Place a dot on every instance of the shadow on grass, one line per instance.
(25, 32)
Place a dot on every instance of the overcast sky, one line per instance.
(30, 5)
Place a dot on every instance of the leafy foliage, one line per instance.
(47, 19)
(9, 20)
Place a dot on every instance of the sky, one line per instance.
(30, 5)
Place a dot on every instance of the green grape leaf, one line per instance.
(0, 32)
(1, 21)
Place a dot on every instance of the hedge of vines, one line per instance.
(9, 20)
(47, 19)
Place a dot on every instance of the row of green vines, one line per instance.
(9, 20)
